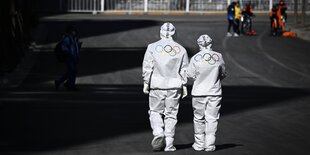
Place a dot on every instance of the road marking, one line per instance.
(271, 58)
(224, 44)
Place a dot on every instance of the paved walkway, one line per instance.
(303, 31)
(40, 34)
(265, 102)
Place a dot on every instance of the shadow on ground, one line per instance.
(92, 61)
(91, 28)
(34, 119)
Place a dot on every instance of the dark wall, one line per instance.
(48, 6)
(17, 20)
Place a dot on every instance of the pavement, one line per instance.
(302, 30)
(40, 35)
(265, 96)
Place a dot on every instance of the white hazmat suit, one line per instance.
(207, 69)
(164, 76)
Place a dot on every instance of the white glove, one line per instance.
(184, 92)
(146, 88)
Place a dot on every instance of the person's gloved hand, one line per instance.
(146, 88)
(184, 92)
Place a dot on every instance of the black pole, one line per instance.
(296, 11)
(303, 12)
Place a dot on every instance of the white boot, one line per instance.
(199, 142)
(210, 143)
(229, 34)
(158, 143)
(196, 147)
(169, 144)
(210, 148)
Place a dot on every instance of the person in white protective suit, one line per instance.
(164, 76)
(207, 70)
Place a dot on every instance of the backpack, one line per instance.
(61, 55)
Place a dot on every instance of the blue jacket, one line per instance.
(71, 47)
(231, 12)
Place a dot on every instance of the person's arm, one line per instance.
(147, 66)
(183, 69)
(191, 70)
(183, 74)
(66, 45)
(251, 11)
(223, 72)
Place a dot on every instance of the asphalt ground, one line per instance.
(265, 107)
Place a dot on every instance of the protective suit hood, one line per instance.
(204, 42)
(167, 30)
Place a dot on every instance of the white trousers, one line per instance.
(206, 115)
(164, 103)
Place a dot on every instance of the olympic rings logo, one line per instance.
(211, 59)
(172, 51)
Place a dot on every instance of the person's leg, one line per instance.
(156, 110)
(199, 107)
(242, 25)
(238, 26)
(171, 111)
(230, 23)
(63, 78)
(250, 29)
(281, 24)
(271, 22)
(274, 25)
(235, 25)
(212, 115)
(175, 4)
(72, 71)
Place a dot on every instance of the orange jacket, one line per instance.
(248, 8)
(279, 15)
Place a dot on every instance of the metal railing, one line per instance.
(258, 5)
(82, 5)
(165, 5)
(124, 5)
(208, 5)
